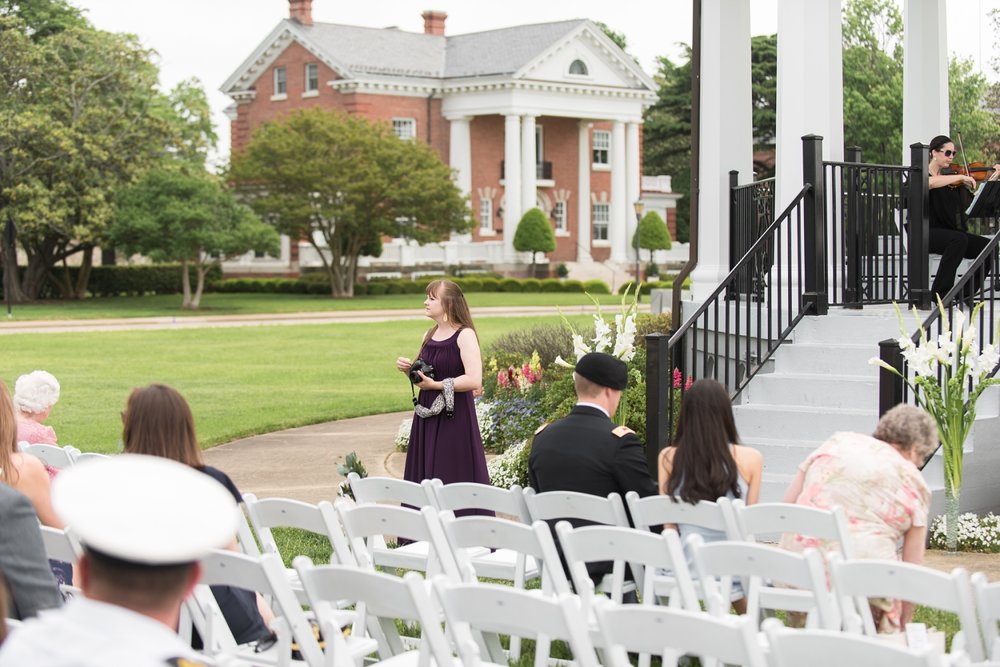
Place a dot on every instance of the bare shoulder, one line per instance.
(29, 466)
(468, 336)
(667, 455)
(748, 455)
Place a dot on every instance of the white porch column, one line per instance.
(925, 73)
(460, 159)
(810, 88)
(583, 230)
(726, 132)
(632, 180)
(619, 194)
(529, 157)
(512, 183)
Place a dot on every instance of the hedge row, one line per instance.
(312, 286)
(655, 284)
(127, 280)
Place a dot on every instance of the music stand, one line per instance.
(986, 203)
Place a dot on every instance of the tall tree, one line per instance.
(764, 86)
(534, 234)
(342, 182)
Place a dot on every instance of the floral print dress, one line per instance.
(882, 494)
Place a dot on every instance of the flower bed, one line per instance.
(975, 533)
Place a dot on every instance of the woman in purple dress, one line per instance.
(444, 441)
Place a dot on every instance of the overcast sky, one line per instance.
(208, 39)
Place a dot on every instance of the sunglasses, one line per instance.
(948, 153)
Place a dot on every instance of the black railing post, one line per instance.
(850, 178)
(736, 244)
(890, 385)
(918, 207)
(659, 383)
(815, 299)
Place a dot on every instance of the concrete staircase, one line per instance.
(821, 382)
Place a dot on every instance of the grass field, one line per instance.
(239, 381)
(169, 305)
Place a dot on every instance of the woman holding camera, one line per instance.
(445, 442)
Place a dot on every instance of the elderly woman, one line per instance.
(875, 480)
(34, 396)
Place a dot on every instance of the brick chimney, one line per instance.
(301, 11)
(434, 22)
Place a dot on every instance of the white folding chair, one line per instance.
(84, 457)
(760, 566)
(988, 605)
(768, 521)
(856, 581)
(385, 598)
(507, 503)
(672, 633)
(391, 490)
(53, 456)
(62, 546)
(367, 525)
(828, 648)
(264, 575)
(476, 614)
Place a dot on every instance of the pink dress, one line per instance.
(882, 494)
(35, 433)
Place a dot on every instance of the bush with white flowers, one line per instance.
(511, 467)
(980, 534)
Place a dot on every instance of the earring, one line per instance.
(446, 317)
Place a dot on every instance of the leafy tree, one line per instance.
(764, 84)
(652, 234)
(979, 126)
(190, 218)
(342, 182)
(615, 36)
(44, 18)
(534, 234)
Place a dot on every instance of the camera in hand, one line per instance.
(423, 367)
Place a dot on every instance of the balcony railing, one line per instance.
(543, 170)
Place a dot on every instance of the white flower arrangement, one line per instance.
(484, 415)
(503, 469)
(975, 533)
(618, 341)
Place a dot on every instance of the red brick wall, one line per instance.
(486, 135)
(560, 140)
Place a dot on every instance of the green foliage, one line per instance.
(531, 285)
(510, 285)
(534, 234)
(978, 122)
(561, 270)
(596, 286)
(652, 234)
(615, 36)
(764, 84)
(342, 182)
(549, 341)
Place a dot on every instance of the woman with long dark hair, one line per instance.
(706, 461)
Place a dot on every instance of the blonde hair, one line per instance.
(158, 422)
(8, 436)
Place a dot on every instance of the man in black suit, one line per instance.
(585, 451)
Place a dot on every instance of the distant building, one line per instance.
(545, 115)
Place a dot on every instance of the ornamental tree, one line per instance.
(534, 234)
(170, 215)
(652, 234)
(342, 182)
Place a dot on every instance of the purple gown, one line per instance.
(448, 449)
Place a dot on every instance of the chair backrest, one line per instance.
(83, 457)
(653, 511)
(385, 599)
(320, 519)
(756, 564)
(673, 632)
(829, 648)
(856, 581)
(491, 610)
(774, 519)
(60, 545)
(391, 490)
(266, 575)
(566, 505)
(988, 606)
(53, 455)
(470, 495)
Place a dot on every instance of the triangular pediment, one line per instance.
(605, 64)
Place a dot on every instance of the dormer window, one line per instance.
(578, 68)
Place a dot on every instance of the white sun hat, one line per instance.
(145, 509)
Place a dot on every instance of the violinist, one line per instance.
(949, 197)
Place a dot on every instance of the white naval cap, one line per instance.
(145, 509)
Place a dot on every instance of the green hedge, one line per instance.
(135, 280)
(655, 284)
(309, 284)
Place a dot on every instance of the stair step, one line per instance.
(797, 423)
(871, 324)
(823, 391)
(781, 456)
(826, 359)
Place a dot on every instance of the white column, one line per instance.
(460, 160)
(632, 179)
(925, 73)
(810, 88)
(617, 224)
(583, 230)
(726, 132)
(512, 182)
(529, 158)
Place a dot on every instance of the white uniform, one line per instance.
(88, 633)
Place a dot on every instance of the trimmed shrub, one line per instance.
(490, 284)
(471, 285)
(572, 286)
(360, 289)
(531, 285)
(413, 287)
(376, 289)
(552, 285)
(510, 285)
(394, 287)
(596, 286)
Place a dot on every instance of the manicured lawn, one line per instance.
(239, 381)
(168, 305)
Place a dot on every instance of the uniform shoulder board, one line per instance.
(186, 662)
(541, 428)
(622, 431)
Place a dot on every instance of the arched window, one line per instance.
(578, 67)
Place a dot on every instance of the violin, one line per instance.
(978, 171)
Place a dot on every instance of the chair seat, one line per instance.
(413, 556)
(501, 564)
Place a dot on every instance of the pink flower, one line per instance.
(502, 378)
(678, 378)
(689, 383)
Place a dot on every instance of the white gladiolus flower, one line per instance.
(562, 362)
(579, 347)
(602, 334)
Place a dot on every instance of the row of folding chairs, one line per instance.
(55, 456)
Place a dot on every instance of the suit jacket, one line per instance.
(22, 557)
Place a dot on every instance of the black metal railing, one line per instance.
(975, 285)
(543, 170)
(751, 210)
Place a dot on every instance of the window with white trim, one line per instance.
(280, 81)
(312, 77)
(579, 68)
(559, 216)
(600, 215)
(485, 214)
(405, 128)
(601, 147)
